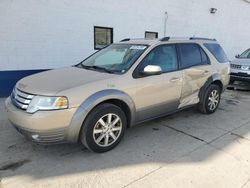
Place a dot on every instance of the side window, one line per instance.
(164, 56)
(204, 58)
(217, 51)
(191, 55)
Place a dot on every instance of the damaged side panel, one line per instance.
(193, 79)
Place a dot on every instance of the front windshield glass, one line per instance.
(245, 55)
(116, 58)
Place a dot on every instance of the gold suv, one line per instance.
(124, 84)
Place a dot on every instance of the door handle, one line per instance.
(175, 79)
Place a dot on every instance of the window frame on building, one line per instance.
(95, 37)
(151, 32)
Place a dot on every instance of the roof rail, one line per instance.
(128, 39)
(124, 40)
(200, 38)
(164, 39)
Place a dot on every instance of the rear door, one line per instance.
(196, 69)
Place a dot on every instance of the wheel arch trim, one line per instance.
(90, 103)
(213, 78)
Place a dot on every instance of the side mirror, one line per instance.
(151, 70)
(237, 56)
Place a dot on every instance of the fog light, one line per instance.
(35, 137)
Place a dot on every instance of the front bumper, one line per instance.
(240, 77)
(44, 137)
(44, 127)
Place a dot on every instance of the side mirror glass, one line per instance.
(152, 70)
(237, 56)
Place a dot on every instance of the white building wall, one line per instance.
(42, 34)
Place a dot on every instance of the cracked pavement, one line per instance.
(186, 149)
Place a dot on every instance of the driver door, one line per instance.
(159, 94)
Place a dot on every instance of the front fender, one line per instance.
(92, 101)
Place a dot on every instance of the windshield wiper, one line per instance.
(94, 67)
(103, 69)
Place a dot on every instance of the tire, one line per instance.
(211, 99)
(98, 134)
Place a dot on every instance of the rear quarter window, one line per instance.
(217, 52)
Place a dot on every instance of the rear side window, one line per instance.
(192, 55)
(217, 51)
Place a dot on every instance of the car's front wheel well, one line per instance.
(218, 83)
(121, 105)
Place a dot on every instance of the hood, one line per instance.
(240, 61)
(53, 81)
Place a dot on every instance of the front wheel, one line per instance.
(211, 99)
(103, 128)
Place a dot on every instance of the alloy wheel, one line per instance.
(213, 100)
(107, 130)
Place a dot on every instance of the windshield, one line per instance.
(245, 55)
(116, 58)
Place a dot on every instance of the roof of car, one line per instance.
(164, 39)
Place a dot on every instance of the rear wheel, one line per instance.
(103, 128)
(211, 99)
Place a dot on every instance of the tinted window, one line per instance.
(204, 57)
(163, 56)
(217, 51)
(190, 55)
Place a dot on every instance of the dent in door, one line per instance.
(193, 79)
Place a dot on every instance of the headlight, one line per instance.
(47, 103)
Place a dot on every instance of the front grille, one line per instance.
(241, 67)
(240, 74)
(234, 66)
(21, 99)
